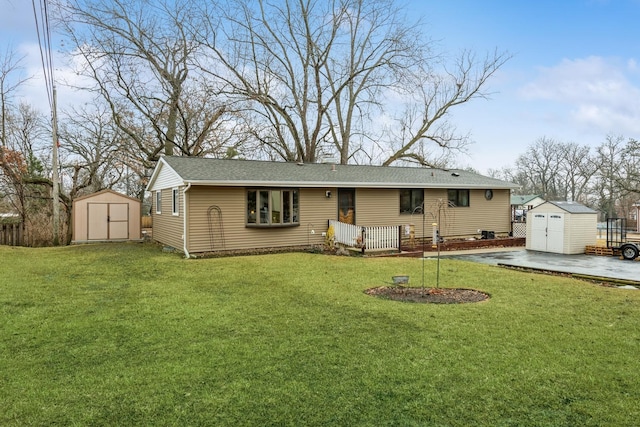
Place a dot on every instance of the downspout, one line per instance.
(184, 221)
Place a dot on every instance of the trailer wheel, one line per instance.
(629, 252)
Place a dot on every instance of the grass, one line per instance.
(128, 335)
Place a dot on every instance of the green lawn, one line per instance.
(127, 335)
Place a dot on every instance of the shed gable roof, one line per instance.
(572, 207)
(222, 172)
(106, 191)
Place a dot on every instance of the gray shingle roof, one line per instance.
(523, 199)
(206, 171)
(573, 207)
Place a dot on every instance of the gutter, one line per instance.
(184, 221)
(349, 184)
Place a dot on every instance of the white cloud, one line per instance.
(34, 91)
(596, 93)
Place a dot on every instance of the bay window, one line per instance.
(272, 207)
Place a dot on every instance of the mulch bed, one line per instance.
(428, 295)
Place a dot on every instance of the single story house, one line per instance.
(202, 205)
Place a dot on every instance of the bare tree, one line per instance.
(617, 182)
(11, 79)
(554, 170)
(629, 167)
(575, 169)
(320, 76)
(23, 175)
(91, 150)
(539, 168)
(608, 157)
(140, 56)
(422, 131)
(93, 153)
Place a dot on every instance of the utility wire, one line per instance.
(44, 43)
(46, 56)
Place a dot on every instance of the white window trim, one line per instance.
(175, 201)
(159, 201)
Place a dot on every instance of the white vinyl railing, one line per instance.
(370, 238)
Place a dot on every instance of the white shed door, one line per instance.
(538, 232)
(547, 232)
(555, 232)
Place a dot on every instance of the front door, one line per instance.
(347, 205)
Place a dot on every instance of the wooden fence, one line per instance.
(366, 238)
(12, 234)
(146, 222)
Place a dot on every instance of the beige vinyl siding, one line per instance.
(583, 232)
(454, 222)
(315, 209)
(481, 214)
(381, 207)
(168, 228)
(377, 207)
(577, 232)
(374, 207)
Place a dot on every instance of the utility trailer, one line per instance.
(617, 239)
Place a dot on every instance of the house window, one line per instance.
(458, 198)
(158, 201)
(272, 207)
(411, 200)
(175, 201)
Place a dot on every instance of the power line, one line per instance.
(44, 43)
(46, 56)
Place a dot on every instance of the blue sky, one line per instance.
(574, 75)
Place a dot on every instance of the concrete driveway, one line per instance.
(601, 266)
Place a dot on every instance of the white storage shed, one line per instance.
(106, 216)
(561, 227)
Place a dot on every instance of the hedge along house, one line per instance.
(202, 205)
